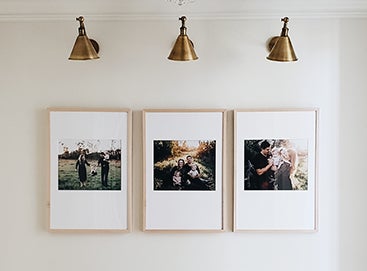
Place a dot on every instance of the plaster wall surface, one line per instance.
(231, 73)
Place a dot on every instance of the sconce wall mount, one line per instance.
(281, 48)
(183, 50)
(84, 48)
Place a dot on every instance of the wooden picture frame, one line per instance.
(90, 169)
(174, 199)
(276, 151)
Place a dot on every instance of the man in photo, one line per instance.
(189, 163)
(192, 175)
(263, 163)
(104, 162)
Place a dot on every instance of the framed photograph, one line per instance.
(183, 169)
(90, 169)
(275, 173)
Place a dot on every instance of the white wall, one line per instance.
(231, 73)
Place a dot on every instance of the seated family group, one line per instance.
(186, 176)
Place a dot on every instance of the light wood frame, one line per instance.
(90, 210)
(256, 210)
(175, 210)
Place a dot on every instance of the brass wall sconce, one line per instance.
(281, 48)
(84, 48)
(183, 50)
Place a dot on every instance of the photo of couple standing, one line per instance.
(184, 165)
(276, 165)
(89, 164)
(103, 163)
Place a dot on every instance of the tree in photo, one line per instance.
(184, 164)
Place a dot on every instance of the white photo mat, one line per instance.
(275, 210)
(90, 209)
(183, 210)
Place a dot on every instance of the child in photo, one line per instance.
(177, 178)
(93, 170)
(194, 173)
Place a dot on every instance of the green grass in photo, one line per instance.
(69, 179)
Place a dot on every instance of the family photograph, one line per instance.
(89, 164)
(276, 164)
(184, 165)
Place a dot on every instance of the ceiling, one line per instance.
(112, 9)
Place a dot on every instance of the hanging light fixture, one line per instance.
(281, 48)
(84, 48)
(181, 2)
(183, 50)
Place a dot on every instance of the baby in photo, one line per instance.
(177, 178)
(194, 173)
(93, 170)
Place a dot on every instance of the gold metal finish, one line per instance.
(183, 50)
(271, 42)
(281, 48)
(84, 48)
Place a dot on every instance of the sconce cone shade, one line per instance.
(183, 50)
(282, 50)
(83, 48)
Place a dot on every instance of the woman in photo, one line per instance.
(82, 170)
(177, 172)
(283, 171)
